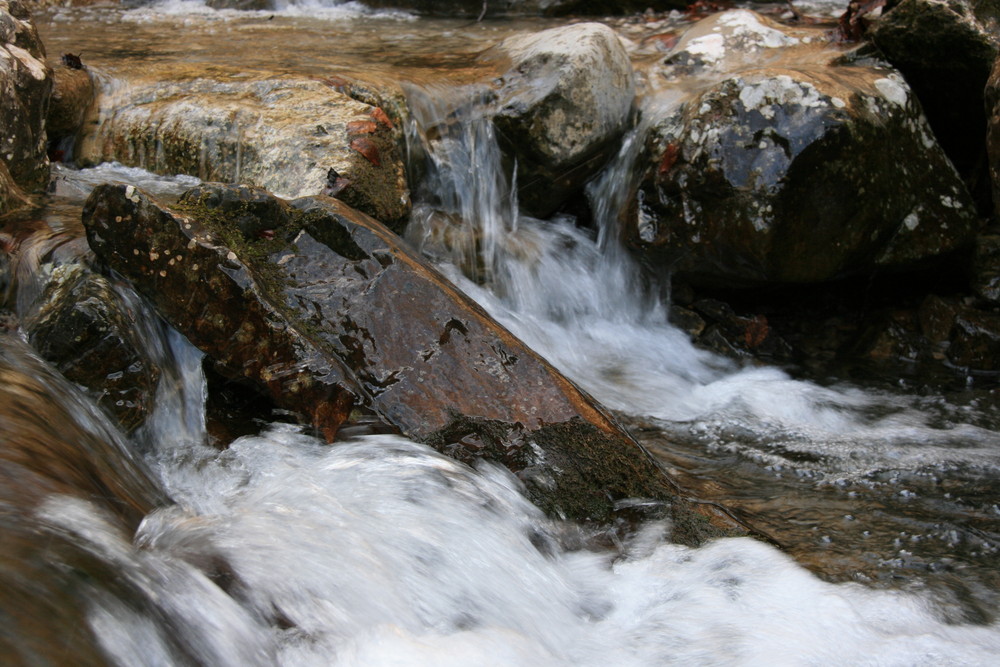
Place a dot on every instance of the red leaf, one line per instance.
(361, 127)
(381, 116)
(670, 155)
(367, 147)
(756, 331)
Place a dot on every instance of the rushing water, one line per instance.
(378, 551)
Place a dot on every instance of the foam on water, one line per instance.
(383, 552)
(323, 10)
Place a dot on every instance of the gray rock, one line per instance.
(775, 174)
(564, 102)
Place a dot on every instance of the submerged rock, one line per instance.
(563, 103)
(25, 84)
(297, 137)
(790, 174)
(330, 309)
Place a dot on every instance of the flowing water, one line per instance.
(378, 551)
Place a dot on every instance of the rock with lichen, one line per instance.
(25, 85)
(790, 163)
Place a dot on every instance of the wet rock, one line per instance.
(782, 174)
(986, 268)
(86, 329)
(975, 341)
(211, 295)
(564, 103)
(59, 464)
(335, 309)
(72, 95)
(279, 133)
(992, 105)
(25, 84)
(946, 55)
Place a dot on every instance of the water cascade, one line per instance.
(280, 549)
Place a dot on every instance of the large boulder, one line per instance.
(805, 169)
(293, 136)
(946, 54)
(563, 104)
(325, 308)
(25, 84)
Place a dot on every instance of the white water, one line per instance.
(381, 552)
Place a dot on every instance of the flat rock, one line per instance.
(330, 309)
(291, 136)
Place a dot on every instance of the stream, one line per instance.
(884, 499)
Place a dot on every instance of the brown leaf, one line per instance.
(367, 147)
(381, 116)
(361, 127)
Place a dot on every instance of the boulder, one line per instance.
(325, 308)
(87, 330)
(293, 136)
(563, 105)
(946, 54)
(805, 169)
(25, 84)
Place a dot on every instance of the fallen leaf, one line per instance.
(367, 147)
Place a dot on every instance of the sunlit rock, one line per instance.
(946, 53)
(564, 102)
(296, 137)
(25, 84)
(798, 170)
(324, 308)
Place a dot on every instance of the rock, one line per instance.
(563, 104)
(986, 268)
(25, 84)
(946, 55)
(72, 95)
(293, 136)
(334, 309)
(975, 341)
(204, 289)
(805, 170)
(992, 105)
(88, 332)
